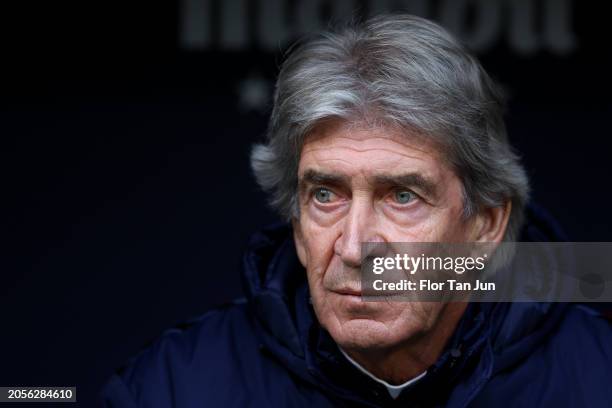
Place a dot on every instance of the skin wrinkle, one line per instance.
(366, 150)
(392, 135)
(395, 341)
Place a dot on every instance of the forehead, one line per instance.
(354, 148)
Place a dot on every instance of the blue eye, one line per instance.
(323, 195)
(404, 196)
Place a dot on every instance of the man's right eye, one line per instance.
(323, 195)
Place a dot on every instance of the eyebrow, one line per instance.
(408, 180)
(317, 177)
(414, 180)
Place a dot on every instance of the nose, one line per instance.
(359, 225)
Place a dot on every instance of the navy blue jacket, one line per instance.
(269, 350)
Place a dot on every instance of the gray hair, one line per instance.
(403, 71)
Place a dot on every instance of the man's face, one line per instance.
(366, 184)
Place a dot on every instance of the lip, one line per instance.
(348, 292)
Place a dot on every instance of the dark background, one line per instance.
(126, 127)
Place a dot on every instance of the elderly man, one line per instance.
(387, 131)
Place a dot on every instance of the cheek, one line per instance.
(319, 247)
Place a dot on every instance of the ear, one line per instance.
(492, 222)
(300, 245)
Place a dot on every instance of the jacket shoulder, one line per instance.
(584, 342)
(186, 364)
(578, 360)
(572, 367)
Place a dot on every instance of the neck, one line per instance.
(406, 361)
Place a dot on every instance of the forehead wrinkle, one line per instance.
(401, 140)
(397, 139)
(333, 160)
(371, 169)
(353, 130)
(354, 149)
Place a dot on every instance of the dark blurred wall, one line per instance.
(126, 127)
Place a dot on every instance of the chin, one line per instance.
(356, 324)
(367, 334)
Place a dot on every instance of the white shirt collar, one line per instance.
(394, 390)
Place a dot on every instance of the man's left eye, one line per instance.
(404, 196)
(323, 195)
